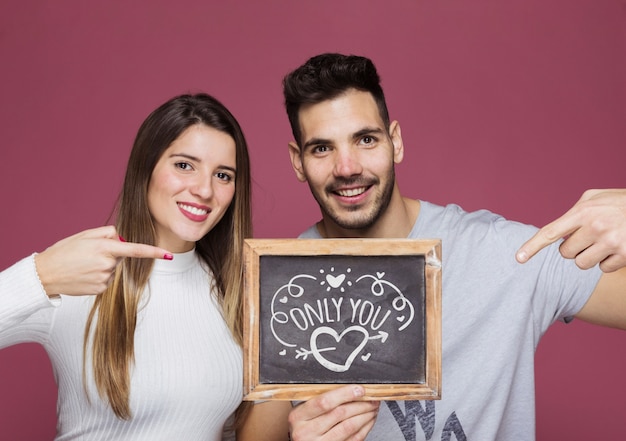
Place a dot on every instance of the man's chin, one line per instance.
(353, 222)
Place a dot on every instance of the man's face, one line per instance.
(347, 157)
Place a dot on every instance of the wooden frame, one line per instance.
(334, 295)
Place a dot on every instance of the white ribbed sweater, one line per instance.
(187, 377)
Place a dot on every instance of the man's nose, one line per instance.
(347, 162)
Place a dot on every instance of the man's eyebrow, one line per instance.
(315, 141)
(367, 131)
(356, 135)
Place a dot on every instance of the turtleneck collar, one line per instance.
(180, 262)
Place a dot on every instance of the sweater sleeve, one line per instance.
(25, 309)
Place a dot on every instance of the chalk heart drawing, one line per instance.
(325, 330)
(335, 281)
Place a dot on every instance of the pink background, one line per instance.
(515, 106)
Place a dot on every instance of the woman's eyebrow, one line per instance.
(196, 159)
(186, 156)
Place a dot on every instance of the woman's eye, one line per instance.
(183, 166)
(224, 176)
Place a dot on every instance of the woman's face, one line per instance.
(191, 186)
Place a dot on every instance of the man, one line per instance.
(494, 309)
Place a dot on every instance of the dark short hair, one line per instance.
(326, 76)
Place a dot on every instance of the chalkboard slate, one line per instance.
(344, 322)
(321, 313)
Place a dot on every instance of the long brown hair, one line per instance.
(112, 336)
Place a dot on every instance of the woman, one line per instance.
(157, 354)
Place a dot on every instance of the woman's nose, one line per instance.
(202, 187)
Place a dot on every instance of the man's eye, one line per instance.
(368, 140)
(320, 149)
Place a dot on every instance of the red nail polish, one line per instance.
(168, 256)
(122, 239)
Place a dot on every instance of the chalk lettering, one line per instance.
(294, 309)
(337, 303)
(355, 304)
(302, 325)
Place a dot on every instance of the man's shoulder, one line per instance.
(310, 233)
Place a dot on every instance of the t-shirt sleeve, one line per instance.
(567, 286)
(560, 288)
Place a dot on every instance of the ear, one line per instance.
(296, 161)
(396, 139)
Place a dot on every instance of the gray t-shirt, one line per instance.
(495, 310)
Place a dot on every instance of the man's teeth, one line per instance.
(193, 210)
(352, 191)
